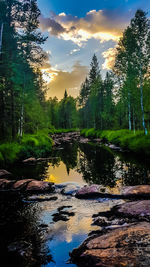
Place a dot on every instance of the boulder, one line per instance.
(39, 186)
(135, 208)
(92, 191)
(21, 184)
(70, 189)
(4, 174)
(137, 190)
(124, 246)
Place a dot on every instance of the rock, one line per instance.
(135, 208)
(70, 189)
(124, 246)
(114, 147)
(21, 184)
(4, 174)
(137, 190)
(30, 160)
(60, 217)
(83, 140)
(5, 184)
(41, 198)
(92, 191)
(39, 186)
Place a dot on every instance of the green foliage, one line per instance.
(10, 152)
(37, 145)
(135, 142)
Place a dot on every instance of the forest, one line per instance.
(120, 101)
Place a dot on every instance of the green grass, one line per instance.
(136, 142)
(30, 145)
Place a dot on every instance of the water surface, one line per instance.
(32, 222)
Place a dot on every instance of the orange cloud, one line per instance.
(62, 80)
(109, 56)
(99, 24)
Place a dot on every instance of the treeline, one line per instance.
(22, 99)
(122, 99)
(119, 101)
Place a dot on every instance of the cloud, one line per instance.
(67, 80)
(103, 25)
(109, 56)
(51, 25)
(74, 51)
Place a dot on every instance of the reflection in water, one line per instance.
(33, 225)
(94, 164)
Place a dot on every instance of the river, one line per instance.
(33, 233)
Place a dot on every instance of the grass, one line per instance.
(136, 142)
(30, 145)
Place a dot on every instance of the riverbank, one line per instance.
(128, 140)
(42, 223)
(30, 145)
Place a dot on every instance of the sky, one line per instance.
(78, 29)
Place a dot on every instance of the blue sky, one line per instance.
(78, 29)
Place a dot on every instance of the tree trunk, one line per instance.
(1, 37)
(129, 111)
(142, 105)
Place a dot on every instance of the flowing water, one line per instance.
(31, 232)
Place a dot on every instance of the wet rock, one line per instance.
(101, 222)
(64, 207)
(124, 246)
(39, 186)
(70, 189)
(84, 140)
(30, 160)
(21, 184)
(41, 198)
(112, 146)
(5, 184)
(90, 191)
(4, 174)
(60, 217)
(137, 190)
(135, 208)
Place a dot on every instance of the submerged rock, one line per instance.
(125, 246)
(41, 198)
(4, 174)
